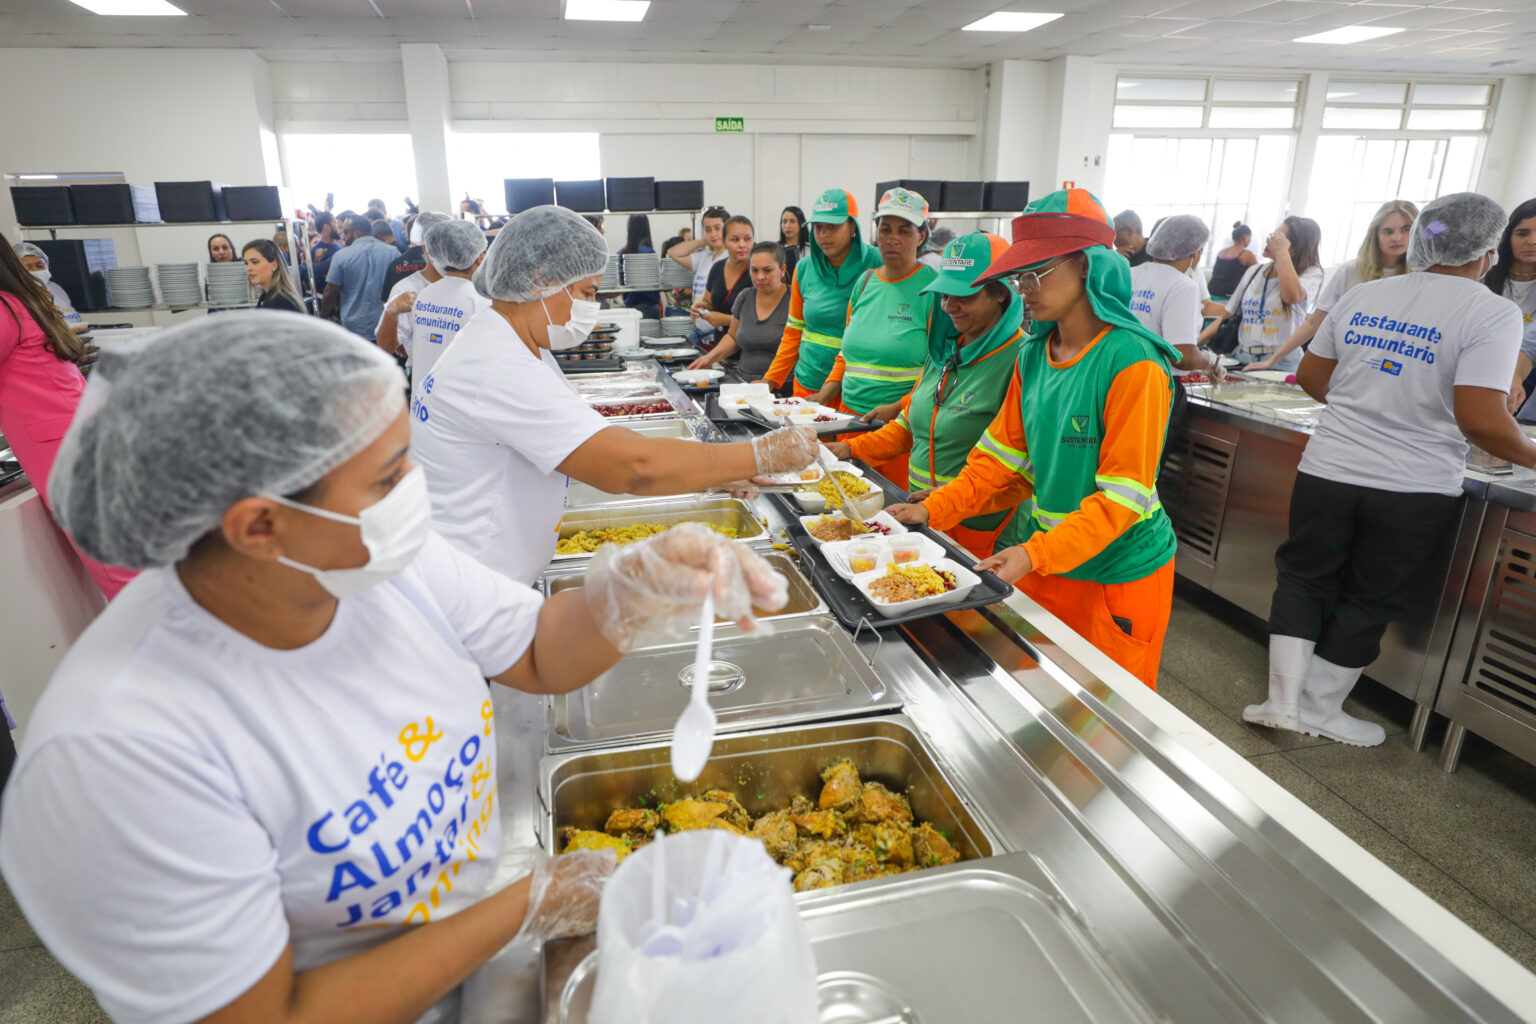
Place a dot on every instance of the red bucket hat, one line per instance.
(1062, 222)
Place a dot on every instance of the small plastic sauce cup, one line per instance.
(863, 556)
(908, 548)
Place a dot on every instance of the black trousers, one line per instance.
(1356, 559)
(7, 753)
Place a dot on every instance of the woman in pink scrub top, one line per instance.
(40, 386)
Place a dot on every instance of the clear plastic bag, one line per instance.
(702, 926)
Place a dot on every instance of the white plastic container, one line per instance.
(965, 581)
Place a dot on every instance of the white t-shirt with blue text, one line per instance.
(189, 801)
(1166, 302)
(1403, 345)
(1267, 322)
(441, 310)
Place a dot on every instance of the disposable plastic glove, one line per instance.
(784, 450)
(565, 893)
(651, 591)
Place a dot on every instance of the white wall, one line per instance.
(1509, 162)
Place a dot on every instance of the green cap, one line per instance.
(833, 206)
(963, 261)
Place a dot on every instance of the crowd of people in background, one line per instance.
(886, 329)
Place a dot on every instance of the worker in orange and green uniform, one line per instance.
(962, 385)
(1080, 434)
(818, 294)
(892, 318)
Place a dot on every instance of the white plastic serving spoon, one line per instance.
(694, 735)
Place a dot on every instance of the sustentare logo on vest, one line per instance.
(1077, 432)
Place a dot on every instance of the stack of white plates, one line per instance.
(129, 288)
(650, 328)
(611, 274)
(179, 285)
(676, 326)
(675, 275)
(642, 270)
(228, 285)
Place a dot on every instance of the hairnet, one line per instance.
(539, 252)
(454, 245)
(172, 432)
(1128, 220)
(423, 221)
(1178, 236)
(1455, 230)
(28, 249)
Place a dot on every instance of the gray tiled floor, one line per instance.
(1464, 839)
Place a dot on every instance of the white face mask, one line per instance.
(573, 332)
(43, 276)
(394, 529)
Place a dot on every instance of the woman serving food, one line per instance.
(262, 786)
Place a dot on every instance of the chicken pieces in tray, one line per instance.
(853, 831)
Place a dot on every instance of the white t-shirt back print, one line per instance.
(1166, 302)
(1403, 345)
(193, 800)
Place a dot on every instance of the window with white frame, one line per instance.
(1219, 148)
(1221, 103)
(1384, 140)
(480, 162)
(355, 166)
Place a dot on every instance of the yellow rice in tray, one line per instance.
(853, 486)
(587, 541)
(911, 582)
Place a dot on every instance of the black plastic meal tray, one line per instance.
(589, 365)
(852, 607)
(856, 427)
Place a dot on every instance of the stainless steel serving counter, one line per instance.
(1190, 886)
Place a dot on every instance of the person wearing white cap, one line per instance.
(263, 784)
(455, 249)
(1411, 368)
(890, 317)
(36, 262)
(501, 432)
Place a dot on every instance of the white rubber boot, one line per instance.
(1322, 706)
(1289, 660)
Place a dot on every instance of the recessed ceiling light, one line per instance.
(1009, 21)
(606, 10)
(1348, 34)
(131, 8)
(818, 28)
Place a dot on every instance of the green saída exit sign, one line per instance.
(730, 124)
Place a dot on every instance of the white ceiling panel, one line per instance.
(1456, 35)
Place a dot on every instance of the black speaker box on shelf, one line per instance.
(929, 190)
(79, 266)
(1005, 196)
(581, 196)
(188, 202)
(254, 202)
(680, 195)
(635, 194)
(959, 195)
(38, 205)
(526, 193)
(114, 203)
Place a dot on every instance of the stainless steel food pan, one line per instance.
(765, 769)
(808, 669)
(803, 599)
(714, 510)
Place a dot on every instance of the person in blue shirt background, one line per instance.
(356, 277)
